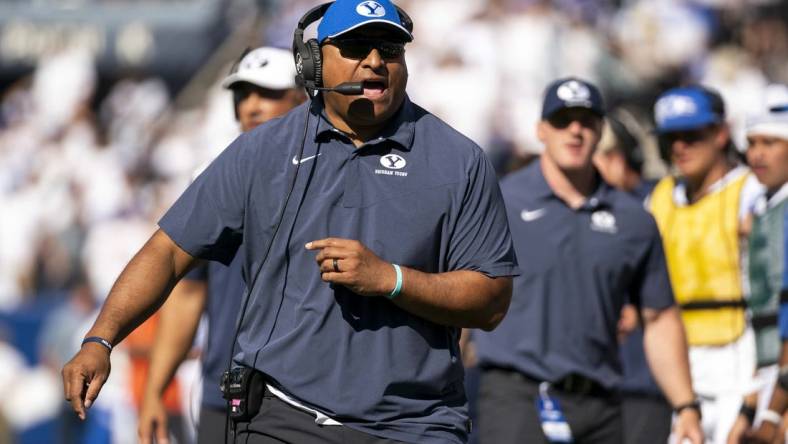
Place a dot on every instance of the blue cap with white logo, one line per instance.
(346, 15)
(572, 92)
(688, 108)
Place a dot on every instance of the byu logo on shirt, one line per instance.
(393, 161)
(573, 91)
(370, 9)
(603, 221)
(671, 107)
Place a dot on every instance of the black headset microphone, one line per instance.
(346, 89)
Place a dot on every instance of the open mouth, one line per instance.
(374, 88)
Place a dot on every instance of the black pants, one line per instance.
(211, 427)
(279, 422)
(508, 414)
(647, 419)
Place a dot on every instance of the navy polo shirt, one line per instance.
(578, 269)
(225, 292)
(421, 195)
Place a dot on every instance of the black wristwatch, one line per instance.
(694, 404)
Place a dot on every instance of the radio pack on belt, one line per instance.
(243, 388)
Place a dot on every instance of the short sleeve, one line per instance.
(198, 273)
(207, 219)
(651, 287)
(481, 240)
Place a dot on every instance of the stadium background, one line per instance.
(107, 106)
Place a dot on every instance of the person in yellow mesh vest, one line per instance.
(701, 213)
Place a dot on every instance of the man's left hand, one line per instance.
(688, 427)
(348, 262)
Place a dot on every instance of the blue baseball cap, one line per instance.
(571, 92)
(688, 108)
(346, 15)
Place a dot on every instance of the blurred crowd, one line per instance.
(84, 178)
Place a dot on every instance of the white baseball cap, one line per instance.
(773, 121)
(266, 67)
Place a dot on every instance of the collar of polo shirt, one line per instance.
(400, 128)
(542, 191)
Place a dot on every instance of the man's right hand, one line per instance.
(84, 375)
(153, 421)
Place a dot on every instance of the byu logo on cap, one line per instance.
(573, 91)
(371, 9)
(393, 161)
(255, 59)
(670, 107)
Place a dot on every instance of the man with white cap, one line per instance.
(264, 87)
(767, 155)
(373, 233)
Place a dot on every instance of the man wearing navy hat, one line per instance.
(372, 234)
(701, 213)
(550, 370)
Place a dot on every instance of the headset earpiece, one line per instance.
(317, 61)
(308, 60)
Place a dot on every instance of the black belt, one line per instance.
(761, 321)
(579, 384)
(573, 383)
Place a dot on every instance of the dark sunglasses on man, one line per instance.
(359, 49)
(562, 119)
(689, 137)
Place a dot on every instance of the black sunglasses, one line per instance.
(359, 49)
(688, 137)
(561, 120)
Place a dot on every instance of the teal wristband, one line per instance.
(398, 287)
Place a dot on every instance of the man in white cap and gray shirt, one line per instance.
(264, 87)
(767, 156)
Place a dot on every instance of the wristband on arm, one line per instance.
(693, 405)
(98, 340)
(398, 286)
(771, 416)
(748, 412)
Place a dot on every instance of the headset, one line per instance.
(309, 61)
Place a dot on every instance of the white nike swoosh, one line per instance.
(530, 216)
(303, 159)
